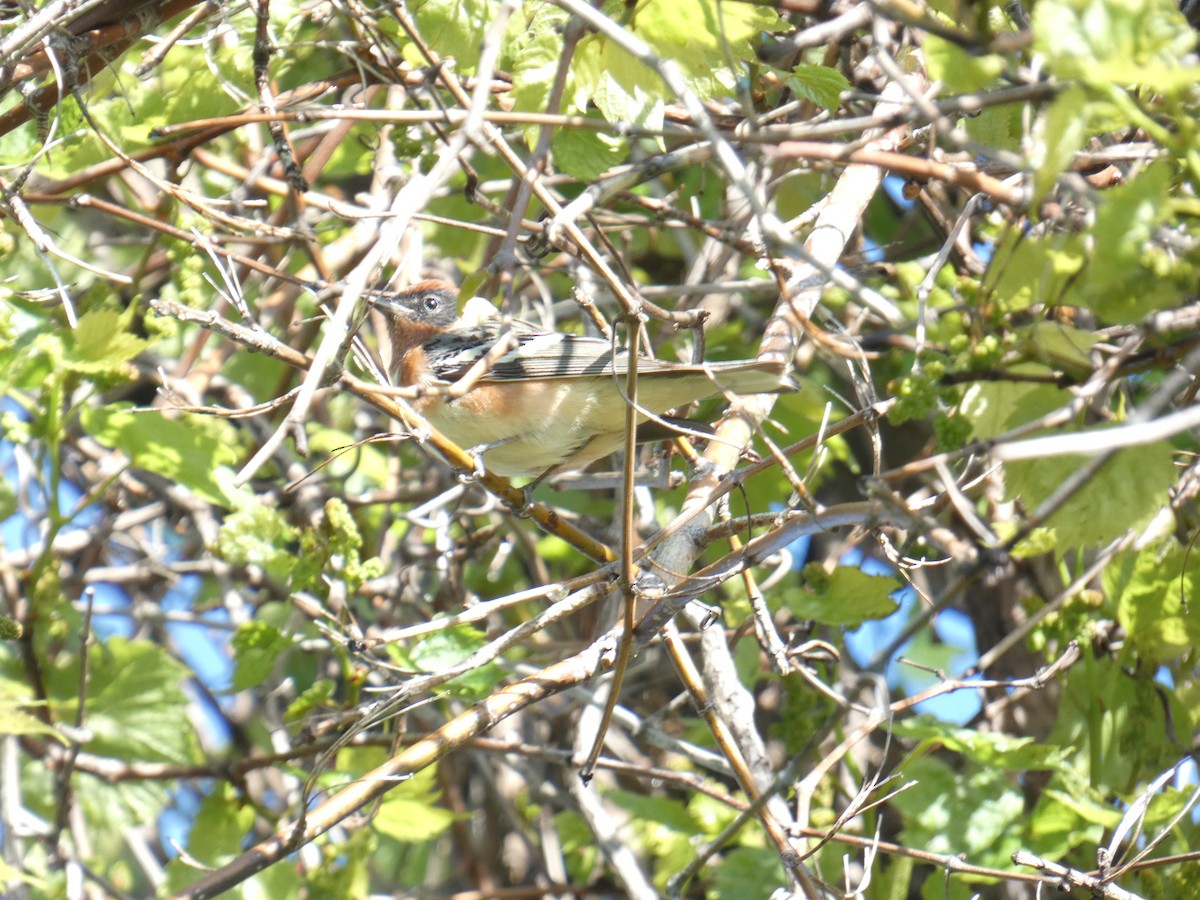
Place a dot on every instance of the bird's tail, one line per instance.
(750, 377)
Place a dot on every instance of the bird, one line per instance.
(548, 402)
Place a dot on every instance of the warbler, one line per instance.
(551, 401)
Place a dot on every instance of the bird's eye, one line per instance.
(431, 302)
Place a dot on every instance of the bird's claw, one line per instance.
(477, 467)
(524, 510)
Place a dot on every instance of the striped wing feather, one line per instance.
(555, 355)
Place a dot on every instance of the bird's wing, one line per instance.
(542, 354)
(536, 354)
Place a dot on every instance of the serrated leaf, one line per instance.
(101, 344)
(332, 548)
(1059, 346)
(709, 814)
(820, 84)
(180, 449)
(1157, 599)
(993, 749)
(1027, 270)
(14, 700)
(258, 535)
(1129, 489)
(848, 597)
(977, 812)
(136, 708)
(444, 649)
(19, 145)
(1054, 829)
(996, 126)
(1116, 283)
(1058, 134)
(622, 88)
(217, 834)
(537, 55)
(705, 39)
(456, 24)
(670, 813)
(743, 867)
(409, 812)
(960, 72)
(1038, 542)
(313, 698)
(256, 646)
(1115, 42)
(586, 155)
(1086, 809)
(995, 407)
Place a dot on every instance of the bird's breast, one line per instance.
(528, 426)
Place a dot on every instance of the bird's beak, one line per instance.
(389, 304)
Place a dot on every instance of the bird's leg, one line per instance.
(476, 453)
(533, 485)
(526, 509)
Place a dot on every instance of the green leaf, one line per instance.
(1122, 725)
(586, 155)
(314, 698)
(136, 709)
(1116, 282)
(409, 811)
(190, 450)
(747, 873)
(196, 86)
(820, 84)
(1056, 828)
(995, 407)
(1059, 346)
(706, 39)
(672, 814)
(1059, 133)
(8, 495)
(258, 535)
(15, 698)
(848, 597)
(335, 544)
(217, 834)
(256, 646)
(10, 874)
(446, 648)
(454, 27)
(1027, 270)
(997, 126)
(1157, 599)
(578, 845)
(1087, 809)
(1116, 42)
(991, 749)
(101, 344)
(1039, 541)
(976, 812)
(19, 145)
(1129, 489)
(959, 71)
(708, 814)
(347, 873)
(622, 88)
(536, 53)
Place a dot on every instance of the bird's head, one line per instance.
(432, 302)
